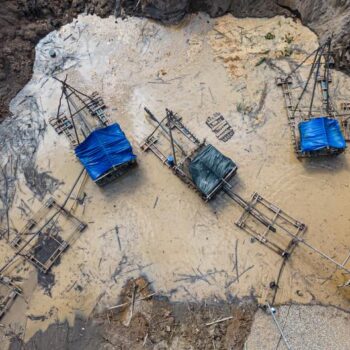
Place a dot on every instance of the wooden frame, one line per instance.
(295, 116)
(180, 168)
(281, 233)
(11, 293)
(28, 240)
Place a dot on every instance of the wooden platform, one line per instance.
(296, 115)
(280, 232)
(39, 241)
(220, 127)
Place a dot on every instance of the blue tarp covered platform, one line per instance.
(103, 150)
(321, 133)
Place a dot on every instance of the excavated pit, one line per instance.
(184, 246)
(24, 23)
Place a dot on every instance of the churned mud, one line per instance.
(22, 24)
(143, 320)
(190, 251)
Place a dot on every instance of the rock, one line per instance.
(213, 8)
(52, 53)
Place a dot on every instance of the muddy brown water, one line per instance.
(196, 69)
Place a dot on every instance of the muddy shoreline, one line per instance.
(24, 23)
(153, 323)
(198, 68)
(157, 323)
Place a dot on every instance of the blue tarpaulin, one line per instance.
(104, 149)
(321, 133)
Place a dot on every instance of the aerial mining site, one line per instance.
(174, 174)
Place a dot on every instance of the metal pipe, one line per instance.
(82, 118)
(321, 253)
(59, 104)
(44, 225)
(71, 87)
(346, 260)
(327, 72)
(278, 326)
(300, 64)
(71, 116)
(315, 83)
(307, 82)
(152, 116)
(255, 212)
(296, 238)
(158, 126)
(171, 136)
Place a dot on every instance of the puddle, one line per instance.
(186, 247)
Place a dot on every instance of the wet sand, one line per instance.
(196, 69)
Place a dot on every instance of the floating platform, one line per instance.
(208, 172)
(205, 169)
(321, 136)
(106, 154)
(39, 241)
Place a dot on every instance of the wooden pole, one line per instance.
(44, 225)
(327, 71)
(153, 117)
(279, 327)
(315, 82)
(171, 136)
(71, 115)
(307, 81)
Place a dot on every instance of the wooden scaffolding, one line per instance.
(261, 219)
(39, 241)
(8, 293)
(84, 114)
(319, 74)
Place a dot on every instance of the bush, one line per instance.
(288, 38)
(270, 36)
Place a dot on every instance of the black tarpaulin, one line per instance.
(209, 167)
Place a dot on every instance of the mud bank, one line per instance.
(152, 322)
(326, 18)
(24, 22)
(186, 247)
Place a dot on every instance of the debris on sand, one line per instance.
(147, 320)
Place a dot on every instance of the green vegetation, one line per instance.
(270, 36)
(288, 38)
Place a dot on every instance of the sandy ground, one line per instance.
(196, 69)
(304, 327)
